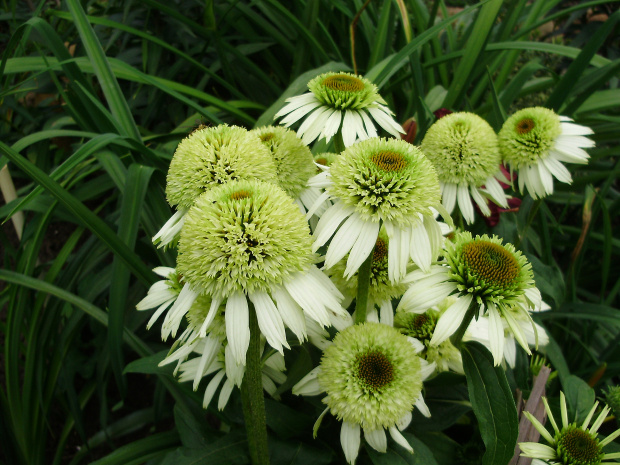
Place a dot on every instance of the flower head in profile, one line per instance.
(248, 240)
(536, 141)
(464, 151)
(483, 272)
(375, 182)
(571, 443)
(373, 379)
(339, 100)
(210, 156)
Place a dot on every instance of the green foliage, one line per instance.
(95, 95)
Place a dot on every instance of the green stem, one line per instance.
(339, 142)
(457, 337)
(252, 397)
(530, 218)
(363, 285)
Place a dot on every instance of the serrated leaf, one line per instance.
(492, 403)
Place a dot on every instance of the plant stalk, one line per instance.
(457, 337)
(252, 397)
(363, 285)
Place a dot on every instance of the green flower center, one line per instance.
(389, 161)
(420, 326)
(381, 251)
(321, 161)
(267, 137)
(490, 262)
(525, 125)
(343, 83)
(241, 194)
(578, 447)
(375, 370)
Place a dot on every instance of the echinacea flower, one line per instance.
(373, 379)
(294, 163)
(572, 444)
(464, 151)
(210, 156)
(483, 272)
(339, 101)
(248, 240)
(375, 182)
(536, 141)
(162, 294)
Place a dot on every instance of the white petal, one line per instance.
(451, 319)
(362, 248)
(349, 131)
(329, 222)
(209, 352)
(299, 113)
(387, 313)
(234, 370)
(556, 168)
(291, 312)
(370, 127)
(435, 236)
(465, 206)
(343, 240)
(316, 122)
(332, 125)
(269, 320)
(496, 334)
(225, 392)
(420, 248)
(510, 351)
(350, 440)
(400, 439)
(535, 450)
(422, 407)
(425, 294)
(238, 325)
(480, 201)
(215, 305)
(416, 344)
(495, 191)
(546, 178)
(448, 196)
(309, 384)
(293, 103)
(211, 388)
(404, 421)
(376, 439)
(386, 121)
(175, 315)
(569, 129)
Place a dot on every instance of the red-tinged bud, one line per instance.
(411, 128)
(442, 112)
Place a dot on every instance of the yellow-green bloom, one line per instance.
(339, 101)
(210, 156)
(479, 271)
(464, 151)
(536, 141)
(373, 379)
(374, 182)
(572, 444)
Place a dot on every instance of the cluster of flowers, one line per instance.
(256, 213)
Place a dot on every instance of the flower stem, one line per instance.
(363, 285)
(457, 337)
(252, 397)
(339, 142)
(530, 218)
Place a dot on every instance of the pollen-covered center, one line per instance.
(267, 137)
(578, 447)
(240, 194)
(490, 262)
(343, 83)
(375, 370)
(389, 161)
(525, 125)
(381, 251)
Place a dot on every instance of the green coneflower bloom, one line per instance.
(339, 100)
(494, 276)
(464, 151)
(374, 182)
(325, 159)
(373, 378)
(421, 327)
(612, 397)
(381, 290)
(162, 294)
(572, 444)
(535, 141)
(207, 157)
(248, 240)
(294, 160)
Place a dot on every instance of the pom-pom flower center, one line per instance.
(490, 262)
(389, 161)
(344, 83)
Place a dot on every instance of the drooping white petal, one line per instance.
(215, 305)
(416, 344)
(435, 236)
(464, 201)
(540, 451)
(291, 312)
(306, 299)
(376, 439)
(269, 320)
(209, 352)
(309, 384)
(496, 334)
(424, 294)
(158, 312)
(329, 222)
(370, 126)
(234, 370)
(400, 439)
(331, 125)
(569, 129)
(299, 113)
(480, 201)
(225, 392)
(386, 312)
(362, 248)
(422, 407)
(180, 308)
(343, 240)
(510, 351)
(450, 320)
(448, 196)
(238, 325)
(404, 421)
(545, 178)
(383, 117)
(420, 248)
(211, 388)
(495, 191)
(349, 132)
(316, 125)
(170, 229)
(350, 440)
(557, 169)
(293, 103)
